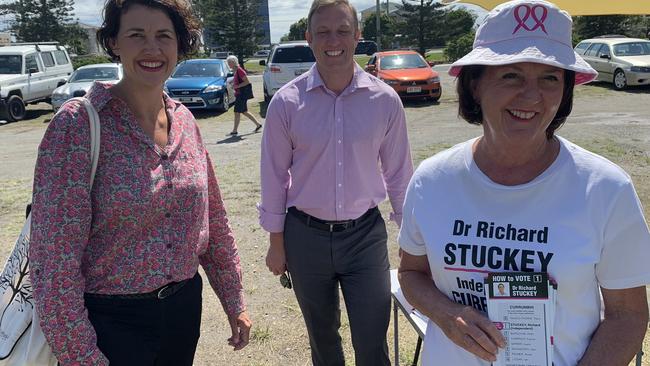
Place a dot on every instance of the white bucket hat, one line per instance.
(526, 31)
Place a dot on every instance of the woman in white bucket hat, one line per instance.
(521, 199)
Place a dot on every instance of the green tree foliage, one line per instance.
(46, 21)
(457, 23)
(422, 23)
(296, 31)
(232, 24)
(459, 47)
(585, 27)
(387, 27)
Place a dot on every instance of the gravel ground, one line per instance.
(613, 124)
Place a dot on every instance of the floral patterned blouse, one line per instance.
(152, 216)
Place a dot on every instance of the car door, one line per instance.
(36, 83)
(591, 56)
(606, 65)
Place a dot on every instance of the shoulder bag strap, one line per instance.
(95, 135)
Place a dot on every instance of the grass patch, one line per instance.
(427, 152)
(253, 66)
(14, 196)
(435, 57)
(362, 60)
(261, 335)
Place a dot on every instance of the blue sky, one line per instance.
(283, 13)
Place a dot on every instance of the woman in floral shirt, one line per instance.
(114, 266)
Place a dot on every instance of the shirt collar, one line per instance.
(360, 79)
(99, 95)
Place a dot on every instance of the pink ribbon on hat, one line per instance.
(530, 12)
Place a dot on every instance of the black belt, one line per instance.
(160, 293)
(331, 226)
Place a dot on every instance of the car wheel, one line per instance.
(620, 82)
(225, 103)
(15, 108)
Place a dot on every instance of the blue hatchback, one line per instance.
(202, 84)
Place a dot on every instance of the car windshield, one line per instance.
(94, 73)
(196, 69)
(286, 55)
(11, 64)
(394, 62)
(632, 49)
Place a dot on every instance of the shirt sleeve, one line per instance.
(410, 237)
(221, 259)
(61, 220)
(395, 156)
(274, 167)
(626, 244)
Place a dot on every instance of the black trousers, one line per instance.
(355, 259)
(149, 332)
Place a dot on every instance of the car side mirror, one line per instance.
(262, 62)
(431, 63)
(608, 57)
(33, 70)
(371, 68)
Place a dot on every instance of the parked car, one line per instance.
(29, 73)
(620, 60)
(407, 72)
(220, 54)
(365, 47)
(287, 61)
(202, 84)
(82, 79)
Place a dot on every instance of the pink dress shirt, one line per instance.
(333, 157)
(152, 216)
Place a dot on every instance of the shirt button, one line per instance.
(340, 185)
(340, 206)
(339, 141)
(340, 163)
(164, 156)
(168, 215)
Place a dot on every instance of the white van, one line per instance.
(29, 73)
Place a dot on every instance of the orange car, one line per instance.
(407, 72)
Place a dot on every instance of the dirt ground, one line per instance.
(613, 124)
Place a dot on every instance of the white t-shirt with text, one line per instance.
(580, 220)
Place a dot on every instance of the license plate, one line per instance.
(184, 99)
(413, 89)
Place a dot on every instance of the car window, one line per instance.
(198, 70)
(632, 49)
(31, 63)
(593, 50)
(409, 61)
(285, 55)
(604, 50)
(47, 58)
(11, 64)
(61, 58)
(94, 73)
(582, 47)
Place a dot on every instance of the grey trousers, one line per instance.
(357, 260)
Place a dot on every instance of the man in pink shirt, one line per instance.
(334, 145)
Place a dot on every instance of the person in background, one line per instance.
(114, 265)
(334, 145)
(521, 198)
(243, 92)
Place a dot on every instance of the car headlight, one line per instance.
(390, 81)
(212, 88)
(640, 69)
(60, 96)
(435, 79)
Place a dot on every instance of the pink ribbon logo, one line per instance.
(530, 12)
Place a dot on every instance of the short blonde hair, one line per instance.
(316, 5)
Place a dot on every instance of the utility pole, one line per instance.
(378, 15)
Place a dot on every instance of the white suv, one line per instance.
(286, 62)
(29, 73)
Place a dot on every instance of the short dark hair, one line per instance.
(186, 25)
(316, 5)
(470, 110)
